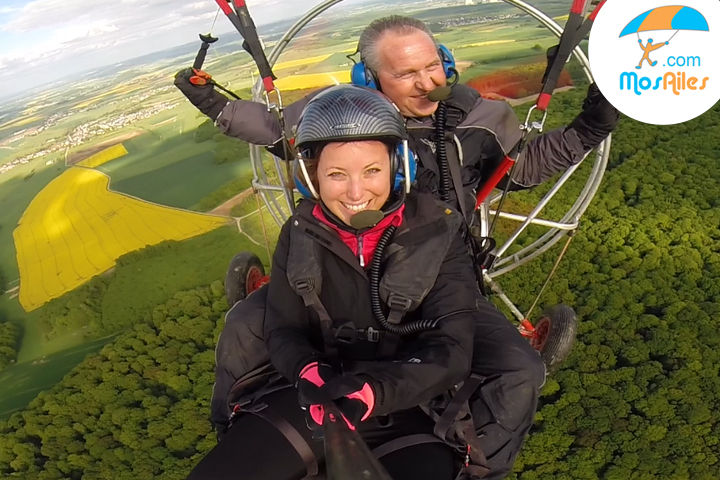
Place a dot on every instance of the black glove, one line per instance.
(597, 119)
(319, 384)
(204, 97)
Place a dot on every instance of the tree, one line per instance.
(10, 335)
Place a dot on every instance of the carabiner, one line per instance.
(529, 127)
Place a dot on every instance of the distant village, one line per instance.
(83, 133)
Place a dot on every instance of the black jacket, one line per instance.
(425, 364)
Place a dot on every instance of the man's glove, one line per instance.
(318, 384)
(201, 92)
(597, 119)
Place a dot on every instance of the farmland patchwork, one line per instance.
(76, 228)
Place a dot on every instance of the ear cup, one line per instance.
(448, 60)
(361, 76)
(301, 188)
(397, 167)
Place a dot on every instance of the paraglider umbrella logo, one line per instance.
(657, 63)
(673, 17)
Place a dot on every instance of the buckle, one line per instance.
(372, 335)
(398, 302)
(352, 335)
(304, 285)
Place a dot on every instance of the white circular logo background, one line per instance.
(661, 94)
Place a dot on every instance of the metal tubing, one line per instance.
(537, 221)
(502, 265)
(551, 237)
(260, 178)
(499, 292)
(537, 209)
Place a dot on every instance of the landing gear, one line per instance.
(553, 335)
(245, 274)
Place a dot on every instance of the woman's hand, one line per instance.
(319, 384)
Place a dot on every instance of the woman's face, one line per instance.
(353, 177)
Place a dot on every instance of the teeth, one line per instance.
(356, 208)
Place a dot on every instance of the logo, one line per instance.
(429, 143)
(657, 63)
(345, 126)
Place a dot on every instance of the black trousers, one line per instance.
(503, 407)
(254, 449)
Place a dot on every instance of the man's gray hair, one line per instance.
(367, 46)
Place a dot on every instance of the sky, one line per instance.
(45, 40)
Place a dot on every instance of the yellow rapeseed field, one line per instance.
(480, 44)
(116, 151)
(75, 228)
(300, 62)
(313, 80)
(123, 88)
(19, 122)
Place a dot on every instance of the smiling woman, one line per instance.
(353, 177)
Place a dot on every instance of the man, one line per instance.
(404, 61)
(403, 56)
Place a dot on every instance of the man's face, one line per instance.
(410, 68)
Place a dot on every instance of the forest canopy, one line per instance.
(10, 334)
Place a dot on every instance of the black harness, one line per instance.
(409, 273)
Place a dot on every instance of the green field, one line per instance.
(149, 278)
(21, 383)
(175, 171)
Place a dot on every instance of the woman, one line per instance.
(371, 303)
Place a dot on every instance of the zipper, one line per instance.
(360, 251)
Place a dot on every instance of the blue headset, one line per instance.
(396, 165)
(361, 76)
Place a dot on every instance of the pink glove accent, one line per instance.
(367, 396)
(311, 374)
(317, 412)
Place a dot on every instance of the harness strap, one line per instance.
(306, 289)
(399, 305)
(274, 384)
(449, 416)
(404, 442)
(473, 471)
(457, 182)
(475, 451)
(292, 436)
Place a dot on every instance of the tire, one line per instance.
(244, 271)
(554, 335)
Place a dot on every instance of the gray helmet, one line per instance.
(349, 113)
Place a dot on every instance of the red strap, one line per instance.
(497, 175)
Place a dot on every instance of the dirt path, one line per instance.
(224, 209)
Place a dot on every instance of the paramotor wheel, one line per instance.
(554, 335)
(244, 276)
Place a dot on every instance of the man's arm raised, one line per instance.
(243, 119)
